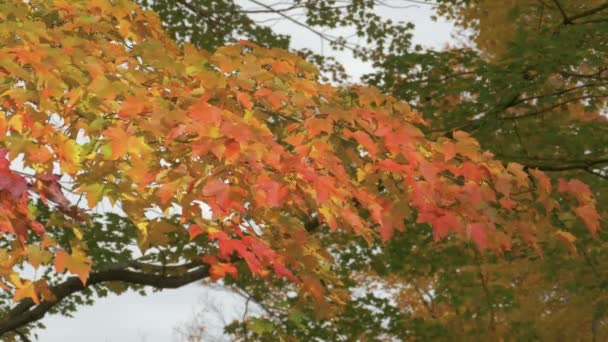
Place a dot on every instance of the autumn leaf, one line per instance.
(568, 239)
(194, 231)
(244, 99)
(38, 256)
(590, 217)
(26, 290)
(77, 263)
(94, 193)
(132, 106)
(478, 235)
(118, 139)
(220, 270)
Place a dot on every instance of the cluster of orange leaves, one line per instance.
(97, 90)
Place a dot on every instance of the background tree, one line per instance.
(209, 24)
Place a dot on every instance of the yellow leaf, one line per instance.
(38, 256)
(360, 175)
(27, 290)
(568, 239)
(68, 152)
(94, 193)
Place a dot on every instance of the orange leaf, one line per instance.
(315, 126)
(220, 270)
(118, 141)
(194, 231)
(568, 239)
(590, 217)
(131, 107)
(26, 290)
(77, 263)
(244, 99)
(478, 235)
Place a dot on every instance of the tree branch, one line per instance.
(567, 20)
(550, 164)
(27, 311)
(311, 29)
(590, 11)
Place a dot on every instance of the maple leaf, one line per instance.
(590, 217)
(449, 151)
(543, 180)
(49, 187)
(26, 290)
(518, 171)
(442, 225)
(132, 106)
(205, 116)
(77, 263)
(68, 152)
(244, 99)
(568, 239)
(271, 193)
(364, 140)
(94, 193)
(478, 235)
(314, 287)
(12, 183)
(284, 272)
(194, 230)
(221, 269)
(324, 187)
(38, 256)
(577, 188)
(118, 141)
(315, 126)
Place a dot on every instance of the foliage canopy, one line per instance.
(239, 163)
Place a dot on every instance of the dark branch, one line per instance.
(590, 11)
(27, 311)
(273, 10)
(557, 164)
(567, 20)
(322, 35)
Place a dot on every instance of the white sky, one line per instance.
(153, 318)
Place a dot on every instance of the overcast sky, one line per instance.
(153, 318)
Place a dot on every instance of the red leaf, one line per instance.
(590, 217)
(284, 272)
(12, 183)
(478, 235)
(244, 99)
(392, 166)
(220, 270)
(543, 180)
(386, 228)
(37, 227)
(270, 193)
(194, 231)
(324, 186)
(49, 187)
(449, 151)
(444, 224)
(364, 140)
(316, 126)
(205, 115)
(131, 107)
(577, 188)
